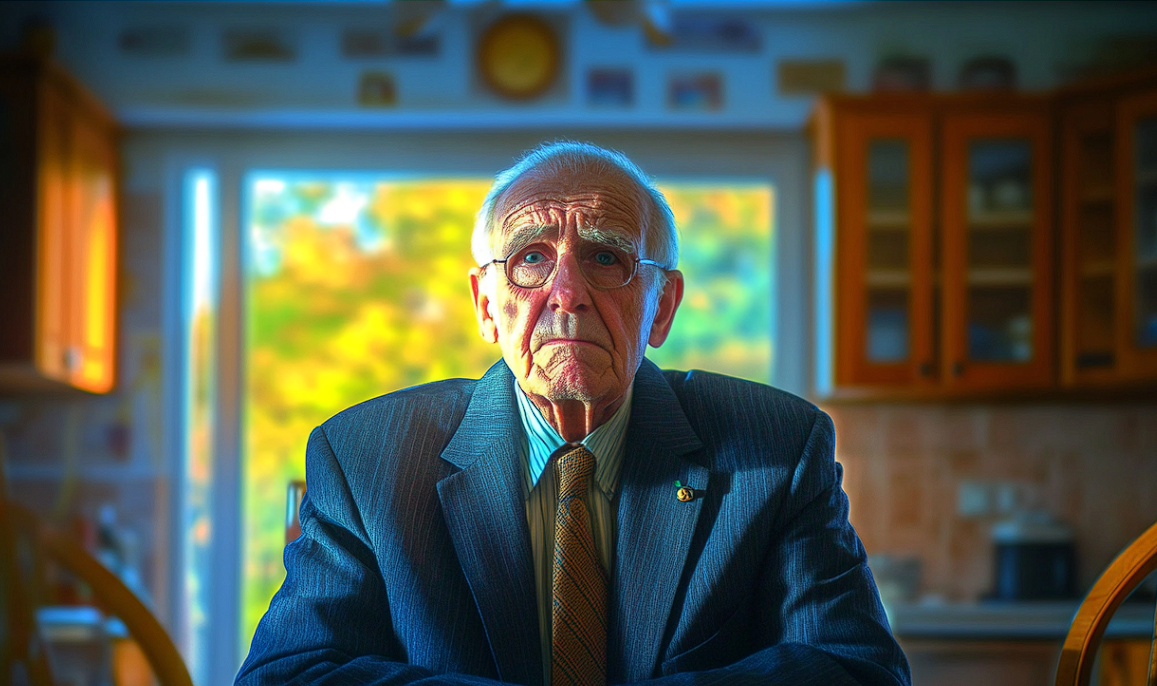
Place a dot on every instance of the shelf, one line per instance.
(1100, 268)
(1098, 195)
(1006, 219)
(996, 276)
(889, 219)
(1102, 359)
(888, 278)
(1146, 262)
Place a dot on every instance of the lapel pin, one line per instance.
(685, 494)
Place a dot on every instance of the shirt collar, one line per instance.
(606, 442)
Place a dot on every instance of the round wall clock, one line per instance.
(518, 56)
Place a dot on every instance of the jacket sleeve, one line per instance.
(330, 621)
(818, 617)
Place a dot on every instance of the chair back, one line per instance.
(21, 645)
(26, 546)
(1132, 565)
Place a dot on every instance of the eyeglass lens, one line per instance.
(603, 266)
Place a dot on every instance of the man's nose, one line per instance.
(569, 291)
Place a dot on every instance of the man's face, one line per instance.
(568, 340)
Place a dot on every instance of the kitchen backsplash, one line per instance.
(1093, 466)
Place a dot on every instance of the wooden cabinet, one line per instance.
(1108, 227)
(947, 662)
(58, 264)
(941, 229)
(996, 218)
(1137, 234)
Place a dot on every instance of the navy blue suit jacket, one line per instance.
(414, 562)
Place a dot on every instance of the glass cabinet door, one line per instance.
(885, 251)
(1138, 232)
(1145, 227)
(997, 250)
(1090, 254)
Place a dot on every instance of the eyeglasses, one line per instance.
(604, 267)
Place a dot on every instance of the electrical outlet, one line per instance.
(974, 499)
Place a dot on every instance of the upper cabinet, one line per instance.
(939, 225)
(997, 253)
(979, 245)
(1108, 228)
(1137, 124)
(58, 265)
(884, 185)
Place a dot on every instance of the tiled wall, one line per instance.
(1094, 466)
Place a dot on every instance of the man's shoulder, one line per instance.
(711, 389)
(724, 408)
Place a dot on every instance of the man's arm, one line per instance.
(330, 621)
(818, 618)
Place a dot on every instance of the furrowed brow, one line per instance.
(614, 239)
(523, 236)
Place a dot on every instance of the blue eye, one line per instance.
(534, 257)
(606, 259)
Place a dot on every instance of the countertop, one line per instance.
(1043, 620)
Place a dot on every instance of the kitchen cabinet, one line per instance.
(1108, 136)
(1011, 643)
(1137, 233)
(58, 265)
(989, 662)
(936, 212)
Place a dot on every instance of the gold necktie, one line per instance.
(579, 614)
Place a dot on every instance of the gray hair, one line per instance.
(660, 241)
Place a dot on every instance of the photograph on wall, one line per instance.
(610, 87)
(706, 33)
(155, 41)
(377, 89)
(699, 91)
(258, 45)
(370, 43)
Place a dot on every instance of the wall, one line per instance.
(195, 84)
(1094, 466)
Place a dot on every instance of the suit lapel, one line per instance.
(485, 512)
(654, 528)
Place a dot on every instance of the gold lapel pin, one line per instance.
(685, 494)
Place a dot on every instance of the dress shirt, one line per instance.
(540, 442)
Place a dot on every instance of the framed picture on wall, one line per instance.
(698, 91)
(377, 89)
(610, 87)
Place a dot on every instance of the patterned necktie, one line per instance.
(579, 615)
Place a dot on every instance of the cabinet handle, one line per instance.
(926, 369)
(957, 369)
(71, 358)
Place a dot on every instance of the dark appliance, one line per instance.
(1035, 559)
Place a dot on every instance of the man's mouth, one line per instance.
(568, 341)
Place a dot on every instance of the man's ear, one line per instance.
(483, 308)
(669, 301)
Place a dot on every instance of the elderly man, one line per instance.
(576, 516)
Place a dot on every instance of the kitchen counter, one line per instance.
(1010, 621)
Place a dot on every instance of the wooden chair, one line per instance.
(27, 545)
(1124, 574)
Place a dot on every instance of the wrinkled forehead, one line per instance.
(608, 201)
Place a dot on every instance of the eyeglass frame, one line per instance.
(554, 272)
